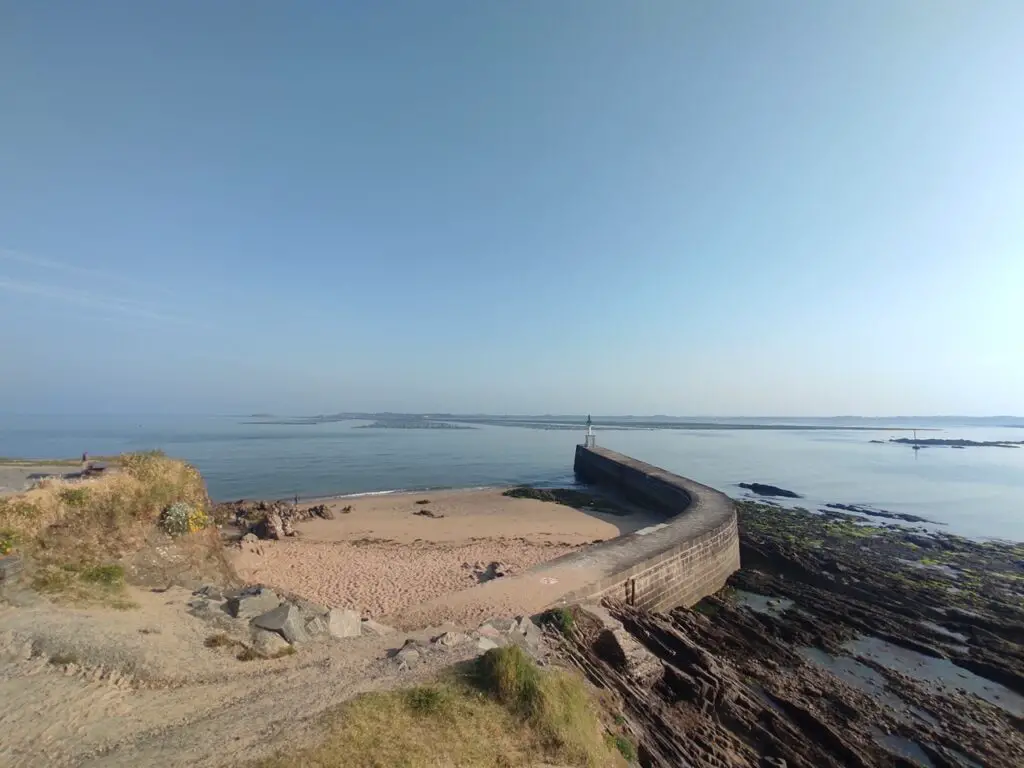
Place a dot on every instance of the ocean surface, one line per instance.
(978, 491)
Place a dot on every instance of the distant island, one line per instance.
(411, 424)
(959, 443)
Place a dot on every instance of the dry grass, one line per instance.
(508, 713)
(76, 536)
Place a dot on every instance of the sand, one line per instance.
(382, 559)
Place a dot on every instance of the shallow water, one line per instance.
(942, 674)
(977, 491)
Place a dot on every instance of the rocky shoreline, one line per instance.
(837, 644)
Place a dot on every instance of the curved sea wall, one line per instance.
(677, 562)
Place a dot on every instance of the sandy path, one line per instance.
(159, 697)
(383, 559)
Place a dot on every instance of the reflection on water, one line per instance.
(943, 674)
(977, 491)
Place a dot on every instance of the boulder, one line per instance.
(533, 634)
(342, 623)
(287, 526)
(371, 627)
(251, 602)
(267, 643)
(317, 627)
(275, 526)
(250, 538)
(486, 630)
(286, 620)
(502, 625)
(210, 591)
(451, 639)
(625, 654)
(485, 644)
(310, 610)
(409, 654)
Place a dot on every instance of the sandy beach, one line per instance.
(382, 558)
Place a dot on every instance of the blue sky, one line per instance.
(691, 208)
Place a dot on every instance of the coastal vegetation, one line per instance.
(81, 539)
(500, 710)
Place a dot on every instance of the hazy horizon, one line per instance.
(235, 207)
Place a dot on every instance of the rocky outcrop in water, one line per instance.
(763, 489)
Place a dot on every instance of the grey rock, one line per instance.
(408, 656)
(267, 643)
(310, 609)
(251, 602)
(11, 568)
(317, 627)
(621, 651)
(502, 625)
(533, 634)
(250, 538)
(210, 591)
(486, 630)
(342, 623)
(286, 620)
(371, 627)
(485, 644)
(451, 639)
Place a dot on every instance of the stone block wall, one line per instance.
(689, 557)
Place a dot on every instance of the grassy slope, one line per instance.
(78, 536)
(507, 712)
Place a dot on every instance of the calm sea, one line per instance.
(976, 491)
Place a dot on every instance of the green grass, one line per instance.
(107, 575)
(74, 497)
(507, 712)
(562, 619)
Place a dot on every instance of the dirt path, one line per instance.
(139, 687)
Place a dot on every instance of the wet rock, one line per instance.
(625, 654)
(371, 627)
(267, 643)
(286, 620)
(342, 623)
(763, 489)
(251, 602)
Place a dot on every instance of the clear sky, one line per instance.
(681, 207)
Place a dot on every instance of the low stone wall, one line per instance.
(678, 562)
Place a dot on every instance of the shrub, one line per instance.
(510, 676)
(181, 518)
(428, 700)
(561, 618)
(74, 497)
(107, 575)
(8, 542)
(625, 747)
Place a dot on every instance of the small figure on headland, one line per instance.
(85, 460)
